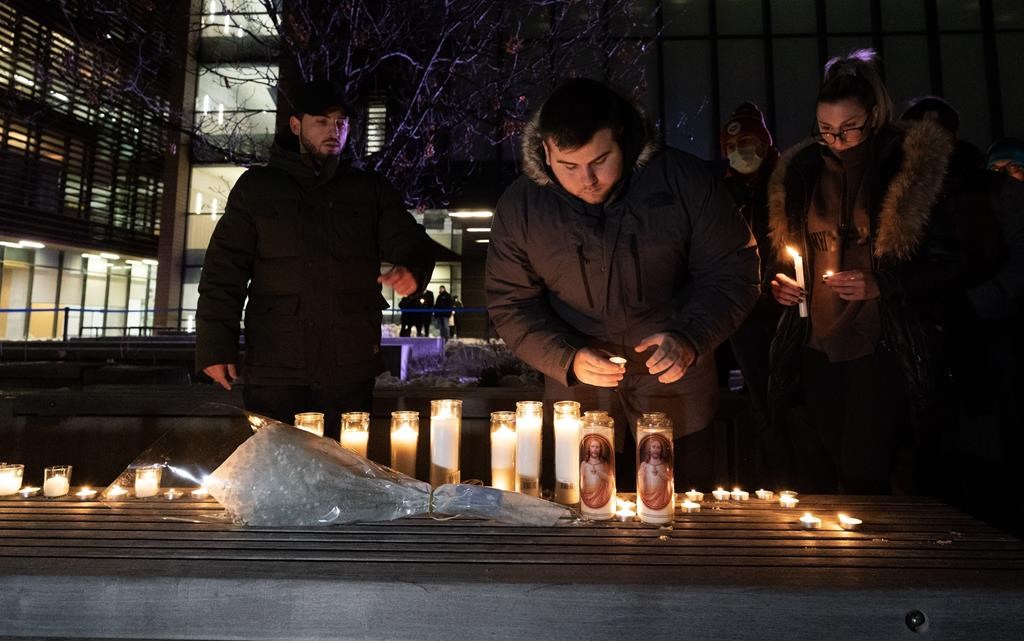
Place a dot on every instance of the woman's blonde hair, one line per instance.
(858, 75)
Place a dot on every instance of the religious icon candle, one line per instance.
(405, 434)
(56, 480)
(312, 422)
(355, 432)
(798, 267)
(597, 466)
(11, 475)
(445, 430)
(147, 481)
(529, 417)
(503, 450)
(567, 457)
(655, 487)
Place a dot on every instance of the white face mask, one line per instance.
(745, 160)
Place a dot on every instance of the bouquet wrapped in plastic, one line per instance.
(282, 476)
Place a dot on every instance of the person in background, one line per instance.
(456, 316)
(1007, 156)
(425, 319)
(610, 246)
(750, 152)
(865, 369)
(443, 305)
(303, 240)
(409, 316)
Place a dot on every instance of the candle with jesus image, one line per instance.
(655, 488)
(798, 266)
(597, 466)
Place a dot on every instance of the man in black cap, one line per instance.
(304, 239)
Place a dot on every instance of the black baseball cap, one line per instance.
(318, 98)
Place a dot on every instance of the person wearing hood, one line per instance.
(865, 367)
(609, 246)
(750, 152)
(1006, 156)
(303, 239)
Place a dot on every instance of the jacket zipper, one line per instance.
(635, 247)
(583, 272)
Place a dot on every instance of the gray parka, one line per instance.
(666, 252)
(304, 245)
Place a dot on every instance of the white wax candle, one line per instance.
(86, 493)
(403, 449)
(689, 507)
(810, 522)
(788, 501)
(798, 266)
(444, 442)
(567, 456)
(146, 485)
(765, 495)
(355, 441)
(694, 496)
(721, 495)
(503, 458)
(10, 482)
(739, 495)
(848, 522)
(528, 439)
(56, 486)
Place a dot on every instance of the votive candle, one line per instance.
(567, 455)
(405, 435)
(445, 432)
(529, 418)
(355, 432)
(56, 480)
(11, 475)
(503, 450)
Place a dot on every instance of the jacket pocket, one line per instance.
(356, 333)
(273, 333)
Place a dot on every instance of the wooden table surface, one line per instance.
(736, 570)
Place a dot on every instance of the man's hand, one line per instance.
(400, 279)
(223, 374)
(854, 285)
(672, 357)
(786, 291)
(593, 368)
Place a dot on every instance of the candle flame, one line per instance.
(792, 252)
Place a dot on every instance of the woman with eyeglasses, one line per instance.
(855, 202)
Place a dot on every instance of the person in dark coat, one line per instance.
(443, 305)
(866, 367)
(425, 319)
(456, 313)
(750, 152)
(608, 245)
(303, 239)
(1006, 156)
(409, 316)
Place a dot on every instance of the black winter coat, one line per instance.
(911, 255)
(305, 246)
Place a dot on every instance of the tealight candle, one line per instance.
(787, 500)
(765, 495)
(445, 432)
(11, 475)
(172, 494)
(618, 360)
(200, 493)
(56, 480)
(695, 496)
(147, 481)
(503, 450)
(355, 432)
(810, 522)
(689, 507)
(405, 434)
(828, 274)
(626, 516)
(721, 495)
(529, 417)
(623, 504)
(116, 492)
(848, 522)
(86, 494)
(567, 452)
(739, 495)
(26, 492)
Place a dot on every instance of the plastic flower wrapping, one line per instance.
(283, 476)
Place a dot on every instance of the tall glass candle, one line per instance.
(56, 480)
(529, 417)
(312, 422)
(567, 453)
(655, 487)
(11, 475)
(503, 450)
(147, 481)
(355, 432)
(445, 430)
(405, 434)
(597, 466)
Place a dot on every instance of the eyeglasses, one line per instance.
(850, 134)
(1007, 168)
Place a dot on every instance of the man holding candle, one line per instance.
(609, 245)
(303, 240)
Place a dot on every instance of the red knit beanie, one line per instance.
(747, 120)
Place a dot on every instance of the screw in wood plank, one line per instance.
(916, 621)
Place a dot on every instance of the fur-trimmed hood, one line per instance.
(535, 166)
(902, 212)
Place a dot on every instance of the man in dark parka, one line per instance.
(303, 239)
(609, 246)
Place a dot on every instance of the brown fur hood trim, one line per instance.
(535, 166)
(906, 207)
